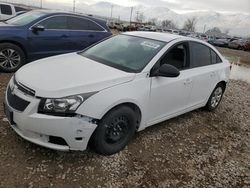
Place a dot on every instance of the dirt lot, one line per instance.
(235, 55)
(198, 149)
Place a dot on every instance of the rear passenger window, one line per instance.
(95, 27)
(215, 58)
(218, 59)
(58, 22)
(200, 55)
(6, 9)
(82, 24)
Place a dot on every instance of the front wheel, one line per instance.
(11, 57)
(114, 131)
(215, 98)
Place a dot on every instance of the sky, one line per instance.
(180, 6)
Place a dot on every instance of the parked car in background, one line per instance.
(115, 25)
(20, 13)
(184, 33)
(193, 35)
(203, 37)
(41, 33)
(101, 96)
(237, 44)
(148, 28)
(246, 46)
(144, 28)
(7, 11)
(217, 41)
(172, 31)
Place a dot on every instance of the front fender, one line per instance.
(136, 92)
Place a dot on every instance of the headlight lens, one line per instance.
(66, 105)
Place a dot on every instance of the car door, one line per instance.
(204, 72)
(169, 96)
(84, 32)
(52, 41)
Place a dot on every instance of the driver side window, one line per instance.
(177, 56)
(56, 22)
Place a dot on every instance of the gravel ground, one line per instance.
(198, 149)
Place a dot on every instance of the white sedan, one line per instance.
(104, 94)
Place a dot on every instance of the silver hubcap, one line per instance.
(216, 97)
(9, 58)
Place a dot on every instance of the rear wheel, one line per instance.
(11, 57)
(114, 131)
(215, 98)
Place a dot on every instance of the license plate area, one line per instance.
(9, 114)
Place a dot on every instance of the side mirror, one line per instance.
(167, 70)
(37, 28)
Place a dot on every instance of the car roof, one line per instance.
(165, 37)
(100, 21)
(56, 12)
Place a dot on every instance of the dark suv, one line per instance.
(39, 34)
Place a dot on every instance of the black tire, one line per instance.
(12, 57)
(105, 139)
(211, 104)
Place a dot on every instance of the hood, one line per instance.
(69, 74)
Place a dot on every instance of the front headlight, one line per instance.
(66, 105)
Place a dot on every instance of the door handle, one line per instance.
(187, 82)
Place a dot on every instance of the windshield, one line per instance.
(127, 53)
(25, 18)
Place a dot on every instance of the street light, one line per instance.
(41, 4)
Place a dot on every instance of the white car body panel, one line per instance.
(168, 96)
(36, 127)
(69, 74)
(158, 98)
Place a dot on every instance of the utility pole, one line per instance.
(41, 4)
(111, 14)
(74, 5)
(204, 29)
(131, 13)
(137, 16)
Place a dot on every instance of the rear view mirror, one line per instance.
(37, 28)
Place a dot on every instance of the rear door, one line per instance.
(204, 72)
(84, 32)
(52, 41)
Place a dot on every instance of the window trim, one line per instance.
(211, 50)
(60, 15)
(90, 21)
(157, 64)
(209, 53)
